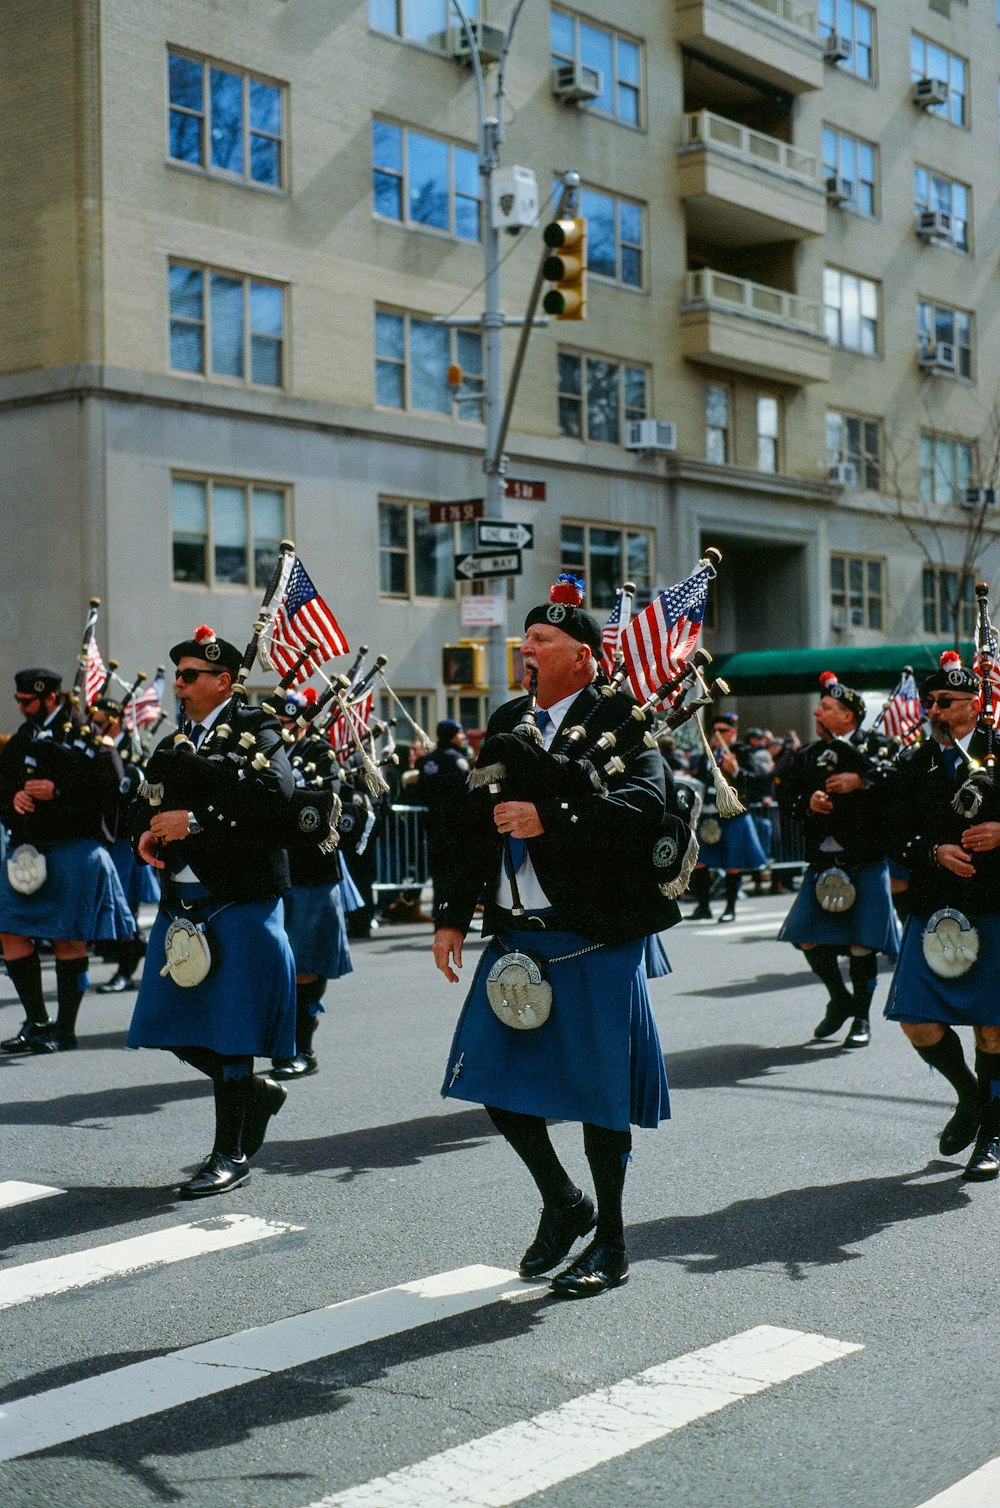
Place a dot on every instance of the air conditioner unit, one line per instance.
(489, 42)
(929, 92)
(574, 83)
(937, 356)
(838, 617)
(836, 49)
(838, 190)
(844, 474)
(979, 497)
(650, 434)
(932, 225)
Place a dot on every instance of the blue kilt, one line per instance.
(246, 1006)
(916, 993)
(82, 898)
(349, 893)
(139, 881)
(596, 1059)
(764, 828)
(870, 923)
(655, 958)
(738, 848)
(314, 921)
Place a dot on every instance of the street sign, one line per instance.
(488, 611)
(523, 492)
(514, 536)
(456, 513)
(478, 566)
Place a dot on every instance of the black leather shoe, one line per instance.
(984, 1163)
(701, 914)
(961, 1129)
(299, 1067)
(216, 1176)
(116, 985)
(729, 915)
(860, 1033)
(598, 1268)
(266, 1100)
(65, 1041)
(834, 1019)
(34, 1036)
(559, 1227)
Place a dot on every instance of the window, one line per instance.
(937, 324)
(949, 602)
(850, 311)
(768, 435)
(424, 181)
(420, 705)
(596, 397)
(856, 24)
(617, 58)
(946, 468)
(606, 558)
(424, 21)
(856, 591)
(717, 441)
(853, 162)
(225, 121)
(415, 557)
(224, 324)
(943, 196)
(226, 533)
(614, 237)
(929, 60)
(412, 357)
(856, 441)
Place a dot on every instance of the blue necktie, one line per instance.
(951, 758)
(197, 733)
(518, 847)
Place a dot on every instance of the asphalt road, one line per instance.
(797, 1188)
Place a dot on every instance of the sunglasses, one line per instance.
(944, 702)
(190, 676)
(24, 698)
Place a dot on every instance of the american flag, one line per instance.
(95, 673)
(612, 631)
(304, 615)
(977, 666)
(145, 707)
(903, 712)
(657, 642)
(359, 713)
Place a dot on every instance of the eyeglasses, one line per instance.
(190, 676)
(944, 702)
(23, 698)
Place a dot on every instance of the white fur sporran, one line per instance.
(950, 943)
(518, 993)
(26, 869)
(835, 891)
(189, 956)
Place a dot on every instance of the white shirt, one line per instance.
(187, 875)
(533, 897)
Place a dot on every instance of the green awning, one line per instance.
(782, 672)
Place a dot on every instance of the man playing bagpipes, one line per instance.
(558, 1022)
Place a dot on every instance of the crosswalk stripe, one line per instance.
(98, 1403)
(979, 1490)
(35, 1280)
(535, 1454)
(12, 1192)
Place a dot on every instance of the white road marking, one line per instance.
(12, 1192)
(528, 1457)
(980, 1490)
(148, 1387)
(35, 1280)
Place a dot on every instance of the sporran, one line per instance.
(835, 891)
(26, 869)
(188, 953)
(519, 994)
(710, 831)
(950, 943)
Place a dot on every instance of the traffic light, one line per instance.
(515, 664)
(566, 268)
(464, 665)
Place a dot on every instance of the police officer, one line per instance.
(440, 782)
(945, 829)
(211, 822)
(844, 904)
(139, 881)
(58, 796)
(727, 843)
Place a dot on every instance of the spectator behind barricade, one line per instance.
(440, 784)
(782, 751)
(758, 766)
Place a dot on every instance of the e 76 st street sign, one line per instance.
(490, 531)
(479, 566)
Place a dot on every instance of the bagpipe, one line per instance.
(980, 782)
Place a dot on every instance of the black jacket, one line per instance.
(86, 777)
(314, 769)
(593, 850)
(854, 823)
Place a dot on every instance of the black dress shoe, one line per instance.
(701, 914)
(860, 1033)
(729, 915)
(984, 1163)
(961, 1129)
(34, 1036)
(834, 1019)
(299, 1067)
(216, 1176)
(598, 1268)
(559, 1227)
(65, 1041)
(116, 985)
(266, 1100)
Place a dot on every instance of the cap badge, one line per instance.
(211, 652)
(556, 612)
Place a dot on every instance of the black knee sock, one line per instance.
(202, 1058)
(233, 1086)
(824, 964)
(71, 982)
(608, 1153)
(864, 977)
(307, 995)
(26, 977)
(529, 1136)
(733, 882)
(948, 1058)
(988, 1075)
(700, 886)
(129, 954)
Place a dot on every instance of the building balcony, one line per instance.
(746, 327)
(774, 41)
(742, 188)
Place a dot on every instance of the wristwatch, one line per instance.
(194, 826)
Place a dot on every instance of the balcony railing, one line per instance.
(743, 297)
(786, 10)
(702, 128)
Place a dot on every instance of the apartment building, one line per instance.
(227, 229)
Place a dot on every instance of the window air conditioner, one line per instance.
(844, 474)
(650, 434)
(574, 83)
(928, 92)
(838, 617)
(836, 49)
(838, 190)
(979, 497)
(937, 356)
(932, 225)
(489, 42)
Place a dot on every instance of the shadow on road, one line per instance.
(403, 1145)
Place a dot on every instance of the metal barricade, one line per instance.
(401, 861)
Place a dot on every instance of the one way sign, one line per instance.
(514, 536)
(477, 566)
